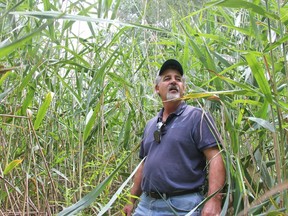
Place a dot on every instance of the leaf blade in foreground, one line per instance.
(43, 110)
(11, 166)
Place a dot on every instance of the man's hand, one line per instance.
(212, 207)
(128, 209)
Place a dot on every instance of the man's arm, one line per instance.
(135, 191)
(216, 181)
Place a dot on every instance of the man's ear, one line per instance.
(157, 89)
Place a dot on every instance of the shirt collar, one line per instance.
(180, 109)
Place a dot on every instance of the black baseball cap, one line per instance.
(171, 64)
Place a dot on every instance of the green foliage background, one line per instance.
(76, 89)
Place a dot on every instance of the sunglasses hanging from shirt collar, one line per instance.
(157, 133)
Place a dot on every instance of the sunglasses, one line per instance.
(157, 133)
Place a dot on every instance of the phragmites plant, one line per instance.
(76, 89)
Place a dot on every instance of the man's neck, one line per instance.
(170, 107)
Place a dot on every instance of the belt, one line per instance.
(159, 195)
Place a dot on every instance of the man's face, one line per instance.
(171, 85)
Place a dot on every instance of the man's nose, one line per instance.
(173, 81)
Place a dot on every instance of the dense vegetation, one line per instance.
(76, 89)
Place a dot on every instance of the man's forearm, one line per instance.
(135, 191)
(136, 188)
(216, 181)
(217, 176)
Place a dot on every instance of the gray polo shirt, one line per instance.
(177, 162)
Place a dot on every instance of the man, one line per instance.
(179, 143)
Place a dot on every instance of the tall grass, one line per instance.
(77, 89)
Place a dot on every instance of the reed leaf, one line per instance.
(4, 77)
(259, 76)
(12, 165)
(209, 94)
(5, 49)
(91, 121)
(263, 123)
(43, 110)
(60, 15)
(247, 5)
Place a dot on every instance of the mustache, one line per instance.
(173, 87)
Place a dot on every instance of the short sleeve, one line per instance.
(205, 134)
